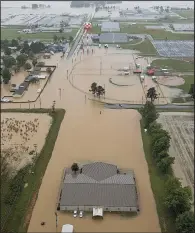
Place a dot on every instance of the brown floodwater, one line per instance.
(86, 135)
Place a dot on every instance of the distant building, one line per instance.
(98, 185)
(183, 27)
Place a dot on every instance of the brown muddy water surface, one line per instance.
(86, 135)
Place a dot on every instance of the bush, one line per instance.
(9, 61)
(164, 164)
(48, 70)
(185, 222)
(21, 59)
(6, 75)
(40, 64)
(27, 66)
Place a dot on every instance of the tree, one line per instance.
(75, 167)
(154, 127)
(21, 59)
(61, 30)
(34, 62)
(6, 74)
(31, 55)
(191, 91)
(93, 88)
(55, 38)
(152, 94)
(4, 44)
(148, 113)
(160, 145)
(185, 222)
(71, 39)
(37, 47)
(26, 47)
(14, 43)
(165, 164)
(177, 198)
(161, 155)
(9, 61)
(7, 51)
(27, 66)
(100, 91)
(158, 135)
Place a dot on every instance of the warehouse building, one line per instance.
(99, 186)
(110, 27)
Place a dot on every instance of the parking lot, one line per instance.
(172, 48)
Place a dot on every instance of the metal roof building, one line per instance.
(113, 38)
(99, 185)
(110, 27)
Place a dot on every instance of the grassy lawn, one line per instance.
(95, 29)
(158, 34)
(175, 65)
(22, 208)
(185, 13)
(189, 79)
(158, 186)
(145, 47)
(12, 33)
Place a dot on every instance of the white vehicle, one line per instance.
(100, 45)
(106, 46)
(5, 100)
(75, 214)
(67, 228)
(81, 214)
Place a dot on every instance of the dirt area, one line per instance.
(180, 125)
(170, 81)
(22, 137)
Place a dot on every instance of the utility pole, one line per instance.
(60, 93)
(29, 104)
(40, 101)
(67, 74)
(56, 220)
(100, 66)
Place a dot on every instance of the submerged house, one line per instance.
(98, 187)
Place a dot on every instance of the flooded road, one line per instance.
(86, 135)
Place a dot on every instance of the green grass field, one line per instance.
(23, 206)
(175, 65)
(189, 79)
(157, 34)
(185, 13)
(12, 33)
(145, 47)
(157, 180)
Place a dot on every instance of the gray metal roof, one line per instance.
(110, 26)
(113, 38)
(99, 184)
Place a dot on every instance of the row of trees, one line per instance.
(177, 199)
(97, 90)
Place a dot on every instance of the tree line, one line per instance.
(177, 199)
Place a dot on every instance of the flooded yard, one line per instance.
(22, 137)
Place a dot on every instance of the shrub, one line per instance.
(27, 66)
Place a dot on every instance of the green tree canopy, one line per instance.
(152, 94)
(21, 59)
(9, 61)
(148, 113)
(165, 164)
(27, 66)
(177, 198)
(162, 144)
(6, 75)
(75, 167)
(185, 222)
(37, 47)
(7, 51)
(14, 43)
